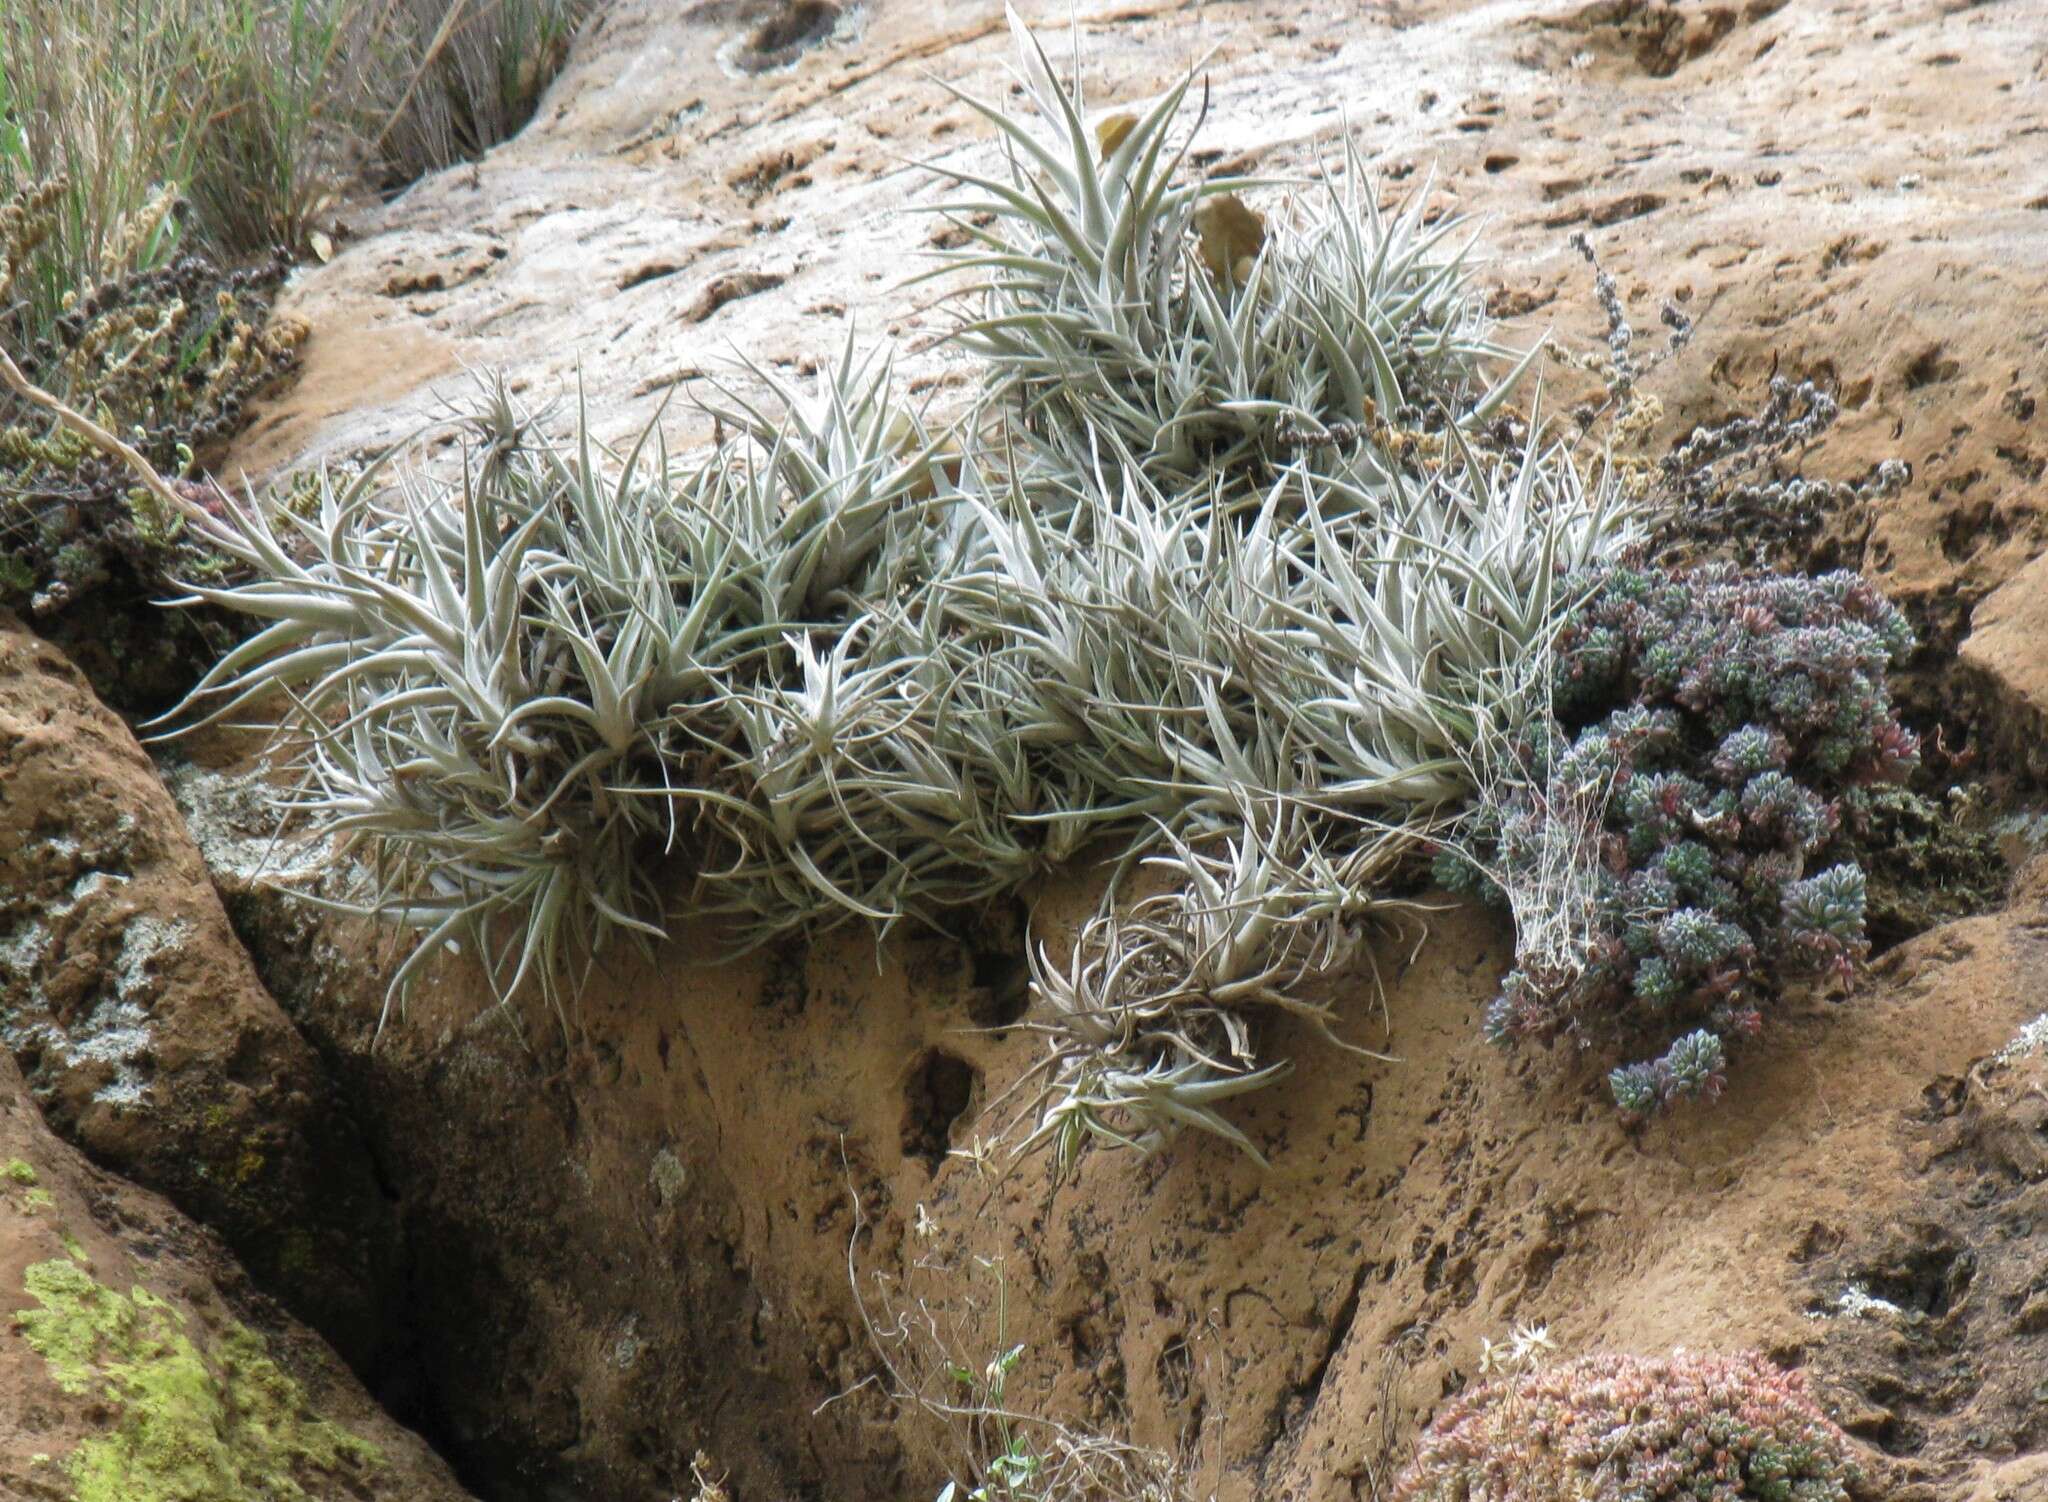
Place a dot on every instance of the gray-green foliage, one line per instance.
(476, 675)
(1095, 332)
(861, 667)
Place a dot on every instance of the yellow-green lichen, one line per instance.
(222, 1425)
(35, 1200)
(17, 1172)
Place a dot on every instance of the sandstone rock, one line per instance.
(2013, 1481)
(631, 1231)
(136, 1365)
(2008, 647)
(141, 1026)
(1763, 165)
(632, 1244)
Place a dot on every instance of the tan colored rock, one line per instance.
(139, 1022)
(1844, 191)
(136, 1365)
(2008, 647)
(2014, 1481)
(632, 1244)
(631, 1232)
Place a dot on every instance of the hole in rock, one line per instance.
(1926, 1279)
(1002, 988)
(941, 1086)
(787, 32)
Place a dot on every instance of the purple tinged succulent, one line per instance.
(1725, 717)
(1614, 1428)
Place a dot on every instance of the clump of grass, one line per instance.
(94, 118)
(161, 162)
(445, 80)
(175, 128)
(275, 154)
(229, 127)
(996, 1447)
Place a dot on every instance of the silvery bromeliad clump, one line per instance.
(1130, 303)
(1227, 579)
(472, 673)
(1265, 553)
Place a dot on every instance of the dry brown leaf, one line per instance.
(1111, 130)
(1231, 237)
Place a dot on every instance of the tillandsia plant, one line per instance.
(474, 674)
(1149, 1021)
(861, 667)
(1125, 302)
(1707, 732)
(1265, 557)
(1617, 1428)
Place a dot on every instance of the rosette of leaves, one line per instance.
(1618, 1428)
(1130, 305)
(1150, 1022)
(1712, 729)
(475, 676)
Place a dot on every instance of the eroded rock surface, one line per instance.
(2004, 650)
(635, 1245)
(1847, 190)
(628, 1234)
(145, 1035)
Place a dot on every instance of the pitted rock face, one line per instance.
(630, 1243)
(143, 1031)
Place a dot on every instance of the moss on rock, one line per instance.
(1929, 860)
(187, 1424)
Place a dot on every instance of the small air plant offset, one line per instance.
(1148, 1021)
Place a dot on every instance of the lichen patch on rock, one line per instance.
(187, 1423)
